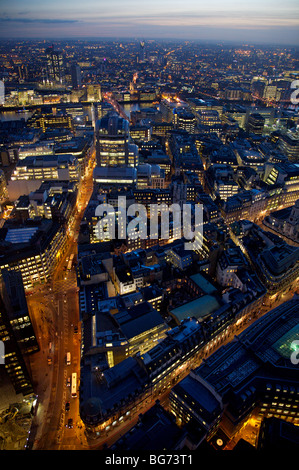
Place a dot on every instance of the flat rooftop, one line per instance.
(198, 308)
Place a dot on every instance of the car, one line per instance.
(67, 406)
(70, 423)
(49, 360)
(68, 382)
(75, 329)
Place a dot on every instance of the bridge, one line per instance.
(109, 97)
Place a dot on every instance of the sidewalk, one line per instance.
(42, 372)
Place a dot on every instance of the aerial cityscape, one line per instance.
(149, 228)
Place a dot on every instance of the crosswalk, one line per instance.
(63, 285)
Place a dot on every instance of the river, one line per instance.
(14, 116)
(131, 107)
(128, 108)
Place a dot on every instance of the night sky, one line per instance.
(264, 21)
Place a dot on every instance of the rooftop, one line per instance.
(156, 430)
(206, 286)
(198, 308)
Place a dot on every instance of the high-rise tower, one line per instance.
(16, 331)
(76, 76)
(113, 142)
(141, 56)
(54, 66)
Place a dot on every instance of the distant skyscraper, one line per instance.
(54, 66)
(23, 71)
(76, 76)
(141, 56)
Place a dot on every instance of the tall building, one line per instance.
(76, 76)
(113, 145)
(23, 72)
(54, 66)
(16, 331)
(30, 249)
(141, 55)
(184, 119)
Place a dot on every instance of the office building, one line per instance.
(255, 124)
(113, 145)
(208, 118)
(3, 186)
(275, 261)
(38, 148)
(20, 319)
(179, 257)
(64, 167)
(191, 401)
(54, 66)
(113, 177)
(150, 176)
(16, 332)
(141, 55)
(76, 76)
(155, 430)
(140, 133)
(277, 435)
(80, 148)
(49, 122)
(289, 145)
(285, 222)
(52, 200)
(183, 119)
(120, 329)
(32, 248)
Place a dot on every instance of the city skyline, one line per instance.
(257, 22)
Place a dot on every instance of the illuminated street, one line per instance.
(55, 310)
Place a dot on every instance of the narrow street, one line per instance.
(54, 310)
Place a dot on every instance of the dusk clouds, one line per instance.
(265, 20)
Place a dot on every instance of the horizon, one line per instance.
(207, 42)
